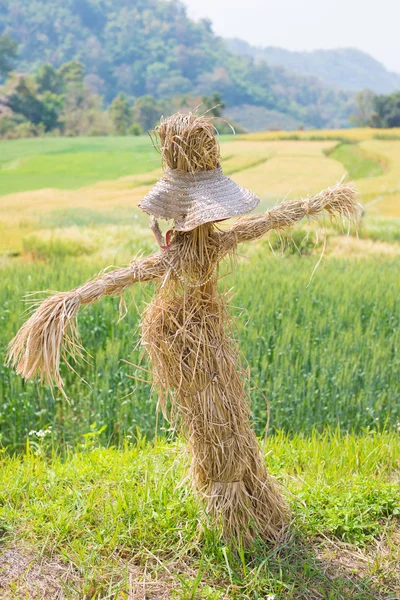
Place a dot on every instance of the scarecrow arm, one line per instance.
(51, 332)
(339, 200)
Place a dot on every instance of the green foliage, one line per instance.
(364, 108)
(22, 99)
(135, 129)
(322, 355)
(100, 509)
(53, 99)
(58, 100)
(8, 54)
(386, 111)
(72, 72)
(121, 114)
(154, 48)
(213, 105)
(380, 111)
(147, 112)
(49, 79)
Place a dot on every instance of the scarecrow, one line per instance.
(186, 329)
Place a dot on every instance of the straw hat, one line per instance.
(193, 189)
(192, 199)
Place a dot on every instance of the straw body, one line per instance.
(199, 375)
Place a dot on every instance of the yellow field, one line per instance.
(273, 169)
(381, 194)
(293, 167)
(356, 134)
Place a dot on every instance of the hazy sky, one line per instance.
(372, 26)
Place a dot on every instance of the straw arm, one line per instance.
(113, 283)
(51, 334)
(339, 200)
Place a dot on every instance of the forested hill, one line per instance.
(151, 47)
(343, 68)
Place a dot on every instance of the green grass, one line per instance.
(70, 163)
(380, 229)
(326, 354)
(106, 512)
(357, 163)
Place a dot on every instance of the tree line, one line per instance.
(62, 102)
(66, 101)
(151, 47)
(377, 110)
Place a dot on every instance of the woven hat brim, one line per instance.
(194, 199)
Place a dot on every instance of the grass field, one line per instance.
(107, 523)
(70, 163)
(90, 501)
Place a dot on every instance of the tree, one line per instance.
(21, 95)
(52, 107)
(135, 129)
(386, 111)
(82, 114)
(49, 79)
(364, 108)
(72, 72)
(147, 112)
(213, 105)
(121, 114)
(8, 54)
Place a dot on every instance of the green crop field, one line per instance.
(91, 504)
(70, 163)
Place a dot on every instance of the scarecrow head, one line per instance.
(193, 190)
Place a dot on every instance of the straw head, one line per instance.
(193, 189)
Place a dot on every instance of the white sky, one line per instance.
(369, 25)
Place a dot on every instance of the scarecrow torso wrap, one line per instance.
(196, 364)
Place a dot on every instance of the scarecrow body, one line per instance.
(186, 328)
(186, 332)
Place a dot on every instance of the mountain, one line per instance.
(342, 68)
(151, 47)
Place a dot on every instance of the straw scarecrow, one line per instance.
(186, 329)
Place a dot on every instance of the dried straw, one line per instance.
(187, 332)
(197, 367)
(187, 142)
(339, 201)
(51, 333)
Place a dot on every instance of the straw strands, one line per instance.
(51, 333)
(339, 201)
(187, 142)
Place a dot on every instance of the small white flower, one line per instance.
(270, 597)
